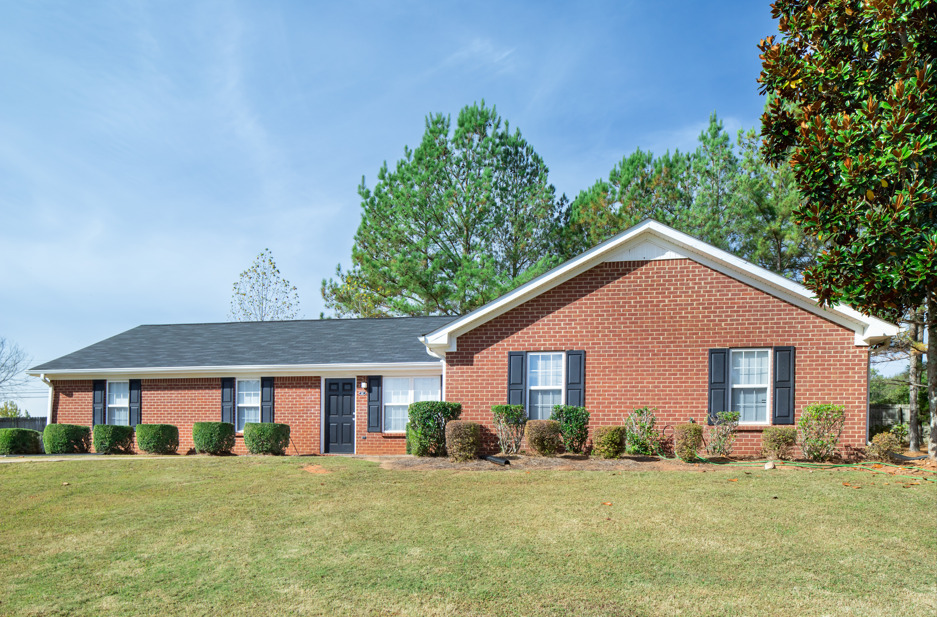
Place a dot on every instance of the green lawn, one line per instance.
(260, 536)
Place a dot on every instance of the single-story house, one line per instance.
(652, 317)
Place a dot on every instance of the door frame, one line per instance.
(322, 413)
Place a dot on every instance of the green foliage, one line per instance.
(574, 426)
(641, 435)
(266, 437)
(66, 439)
(883, 447)
(609, 441)
(262, 294)
(819, 429)
(113, 439)
(20, 441)
(688, 439)
(426, 431)
(213, 437)
(722, 433)
(901, 432)
(509, 421)
(895, 390)
(543, 436)
(157, 438)
(463, 217)
(10, 409)
(778, 441)
(463, 440)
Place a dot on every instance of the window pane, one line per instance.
(425, 389)
(395, 418)
(751, 403)
(247, 414)
(397, 391)
(545, 369)
(118, 393)
(118, 415)
(750, 367)
(249, 392)
(542, 402)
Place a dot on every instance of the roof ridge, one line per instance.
(281, 321)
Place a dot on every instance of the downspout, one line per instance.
(42, 376)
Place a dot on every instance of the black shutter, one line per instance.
(227, 399)
(98, 401)
(517, 377)
(783, 385)
(576, 378)
(374, 404)
(266, 399)
(718, 382)
(134, 402)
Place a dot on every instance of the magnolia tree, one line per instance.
(853, 104)
(262, 294)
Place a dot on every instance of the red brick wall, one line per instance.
(646, 328)
(372, 443)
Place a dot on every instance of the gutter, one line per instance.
(42, 376)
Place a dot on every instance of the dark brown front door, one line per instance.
(340, 416)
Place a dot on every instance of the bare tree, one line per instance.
(13, 361)
(262, 294)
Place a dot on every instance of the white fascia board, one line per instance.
(429, 368)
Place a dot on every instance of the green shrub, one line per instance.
(883, 447)
(688, 438)
(266, 438)
(722, 433)
(158, 438)
(819, 429)
(777, 442)
(66, 439)
(20, 441)
(113, 439)
(543, 436)
(427, 427)
(463, 440)
(902, 433)
(641, 436)
(574, 426)
(213, 437)
(510, 421)
(609, 441)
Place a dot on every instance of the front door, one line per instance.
(340, 416)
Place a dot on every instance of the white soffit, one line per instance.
(644, 250)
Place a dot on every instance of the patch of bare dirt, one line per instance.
(315, 469)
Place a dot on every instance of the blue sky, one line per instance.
(148, 151)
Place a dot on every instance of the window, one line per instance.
(118, 402)
(248, 403)
(399, 392)
(750, 376)
(544, 384)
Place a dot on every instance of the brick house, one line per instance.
(651, 317)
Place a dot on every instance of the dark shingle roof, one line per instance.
(257, 343)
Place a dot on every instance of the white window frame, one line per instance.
(527, 378)
(107, 405)
(410, 398)
(237, 406)
(769, 415)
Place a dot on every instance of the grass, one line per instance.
(255, 535)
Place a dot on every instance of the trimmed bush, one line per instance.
(66, 439)
(902, 433)
(688, 438)
(609, 441)
(20, 441)
(510, 421)
(883, 447)
(543, 436)
(113, 439)
(574, 426)
(463, 440)
(158, 438)
(641, 436)
(777, 442)
(722, 433)
(819, 429)
(213, 437)
(266, 438)
(427, 428)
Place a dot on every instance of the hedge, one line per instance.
(20, 441)
(574, 426)
(777, 442)
(688, 438)
(609, 441)
(266, 438)
(426, 431)
(543, 436)
(883, 447)
(113, 439)
(213, 437)
(509, 425)
(158, 438)
(66, 439)
(463, 440)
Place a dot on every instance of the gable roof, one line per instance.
(651, 240)
(272, 346)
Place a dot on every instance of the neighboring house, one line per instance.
(651, 317)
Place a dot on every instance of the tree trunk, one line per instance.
(931, 320)
(914, 378)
